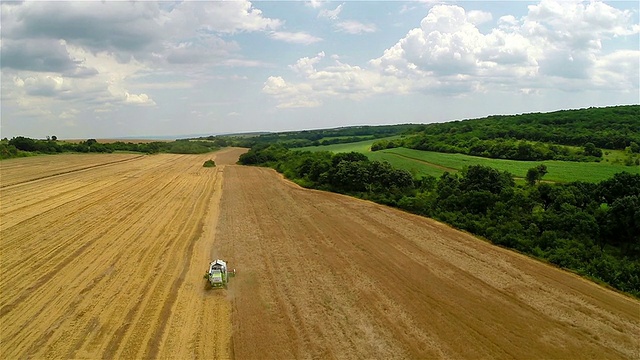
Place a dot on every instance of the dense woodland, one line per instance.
(570, 135)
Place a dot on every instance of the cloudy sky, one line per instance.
(87, 69)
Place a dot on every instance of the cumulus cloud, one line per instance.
(478, 17)
(557, 45)
(138, 99)
(92, 52)
(338, 79)
(305, 65)
(555, 39)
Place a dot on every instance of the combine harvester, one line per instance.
(218, 275)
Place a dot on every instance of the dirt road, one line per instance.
(108, 262)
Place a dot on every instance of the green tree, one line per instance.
(23, 143)
(479, 177)
(535, 174)
(620, 185)
(624, 222)
(591, 150)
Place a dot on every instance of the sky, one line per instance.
(103, 69)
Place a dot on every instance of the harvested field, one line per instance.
(107, 262)
(15, 171)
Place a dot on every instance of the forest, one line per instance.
(570, 135)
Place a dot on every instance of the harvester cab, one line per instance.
(218, 275)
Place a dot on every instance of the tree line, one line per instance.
(592, 229)
(321, 137)
(569, 135)
(614, 127)
(23, 146)
(523, 150)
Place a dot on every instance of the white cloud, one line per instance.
(289, 95)
(445, 44)
(556, 46)
(112, 57)
(355, 27)
(203, 49)
(331, 14)
(274, 85)
(138, 99)
(347, 26)
(478, 17)
(619, 70)
(92, 53)
(338, 79)
(556, 39)
(316, 3)
(294, 37)
(245, 63)
(45, 85)
(229, 16)
(305, 65)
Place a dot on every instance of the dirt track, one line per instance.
(108, 261)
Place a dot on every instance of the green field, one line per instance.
(421, 163)
(360, 146)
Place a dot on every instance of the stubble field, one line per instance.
(103, 257)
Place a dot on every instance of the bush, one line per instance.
(209, 163)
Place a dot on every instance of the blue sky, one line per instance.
(143, 69)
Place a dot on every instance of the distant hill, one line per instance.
(568, 135)
(614, 127)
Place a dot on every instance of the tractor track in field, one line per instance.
(73, 170)
(107, 262)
